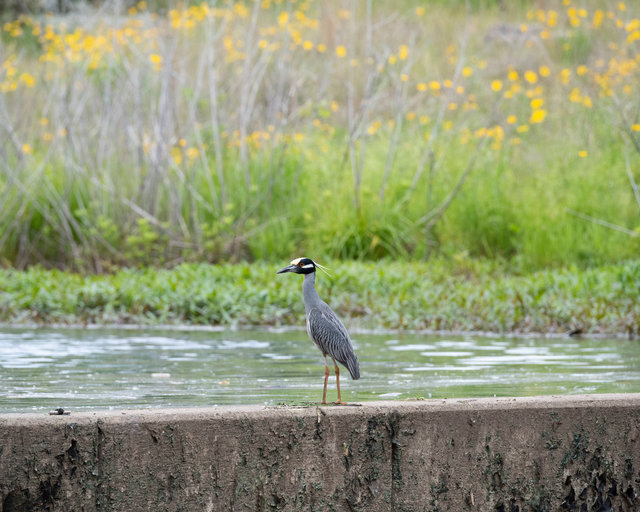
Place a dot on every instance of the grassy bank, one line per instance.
(467, 295)
(257, 130)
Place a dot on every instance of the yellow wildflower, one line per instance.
(597, 18)
(575, 96)
(156, 60)
(240, 10)
(537, 116)
(536, 103)
(27, 79)
(374, 127)
(283, 18)
(634, 24)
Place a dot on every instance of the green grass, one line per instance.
(468, 295)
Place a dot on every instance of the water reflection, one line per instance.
(108, 368)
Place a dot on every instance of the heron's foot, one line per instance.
(339, 402)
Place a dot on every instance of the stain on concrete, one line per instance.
(526, 454)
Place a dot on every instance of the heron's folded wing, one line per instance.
(330, 334)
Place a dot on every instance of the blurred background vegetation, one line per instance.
(156, 133)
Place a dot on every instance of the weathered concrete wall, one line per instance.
(549, 453)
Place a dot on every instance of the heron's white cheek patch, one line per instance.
(308, 266)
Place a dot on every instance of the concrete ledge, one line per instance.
(504, 454)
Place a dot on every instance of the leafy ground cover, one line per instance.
(468, 295)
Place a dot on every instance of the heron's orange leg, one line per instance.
(337, 380)
(326, 379)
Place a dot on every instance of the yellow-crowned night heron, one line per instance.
(324, 327)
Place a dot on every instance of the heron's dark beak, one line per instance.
(290, 268)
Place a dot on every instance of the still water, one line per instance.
(41, 369)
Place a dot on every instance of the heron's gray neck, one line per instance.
(309, 293)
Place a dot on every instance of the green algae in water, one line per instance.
(122, 368)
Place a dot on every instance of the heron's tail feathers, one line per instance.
(347, 358)
(354, 367)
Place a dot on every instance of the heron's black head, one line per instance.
(299, 266)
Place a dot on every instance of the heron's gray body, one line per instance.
(326, 330)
